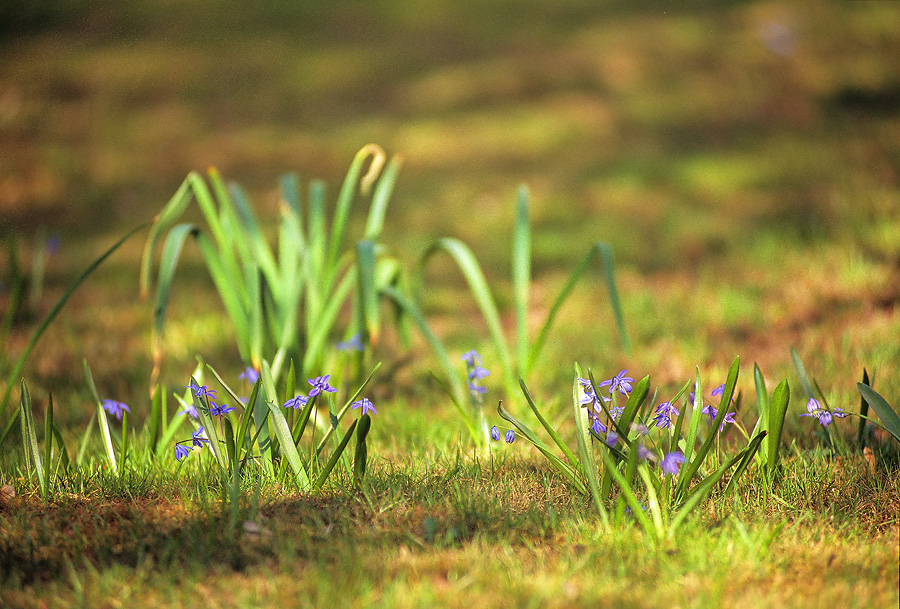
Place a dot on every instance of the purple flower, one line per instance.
(612, 439)
(53, 244)
(719, 390)
(478, 373)
(510, 436)
(249, 374)
(365, 404)
(476, 389)
(640, 429)
(218, 411)
(471, 358)
(619, 382)
(354, 343)
(197, 438)
(115, 408)
(597, 427)
(824, 415)
(495, 434)
(320, 384)
(671, 461)
(616, 411)
(644, 453)
(191, 410)
(201, 391)
(181, 451)
(296, 402)
(590, 397)
(664, 414)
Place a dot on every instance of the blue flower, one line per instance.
(645, 453)
(218, 411)
(495, 433)
(197, 438)
(115, 408)
(616, 411)
(249, 374)
(619, 382)
(596, 426)
(201, 391)
(719, 390)
(296, 402)
(824, 415)
(612, 439)
(320, 384)
(471, 358)
(476, 389)
(478, 373)
(181, 451)
(664, 414)
(365, 404)
(590, 397)
(510, 436)
(191, 410)
(354, 343)
(671, 461)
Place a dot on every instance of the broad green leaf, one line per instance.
(889, 419)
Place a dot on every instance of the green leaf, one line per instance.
(778, 406)
(29, 437)
(570, 456)
(585, 449)
(521, 274)
(282, 431)
(801, 374)
(102, 420)
(889, 419)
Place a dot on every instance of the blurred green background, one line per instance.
(742, 158)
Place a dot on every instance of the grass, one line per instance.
(750, 199)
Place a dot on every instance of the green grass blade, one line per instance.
(629, 496)
(345, 197)
(282, 430)
(696, 416)
(801, 374)
(889, 419)
(570, 456)
(368, 295)
(863, 411)
(585, 450)
(652, 501)
(48, 446)
(39, 331)
(778, 406)
(605, 253)
(380, 198)
(471, 270)
(762, 409)
(521, 273)
(694, 465)
(102, 420)
(568, 472)
(29, 437)
(169, 214)
(290, 192)
(746, 459)
(412, 311)
(335, 456)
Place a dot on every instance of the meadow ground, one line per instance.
(742, 159)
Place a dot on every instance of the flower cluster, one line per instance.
(510, 435)
(825, 416)
(475, 371)
(196, 441)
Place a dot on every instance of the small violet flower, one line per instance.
(115, 408)
(510, 436)
(218, 411)
(471, 358)
(197, 438)
(664, 414)
(619, 382)
(296, 402)
(671, 461)
(645, 453)
(719, 390)
(597, 427)
(320, 384)
(190, 410)
(354, 343)
(712, 412)
(590, 397)
(478, 373)
(476, 389)
(824, 415)
(612, 439)
(202, 391)
(365, 404)
(495, 433)
(250, 375)
(181, 451)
